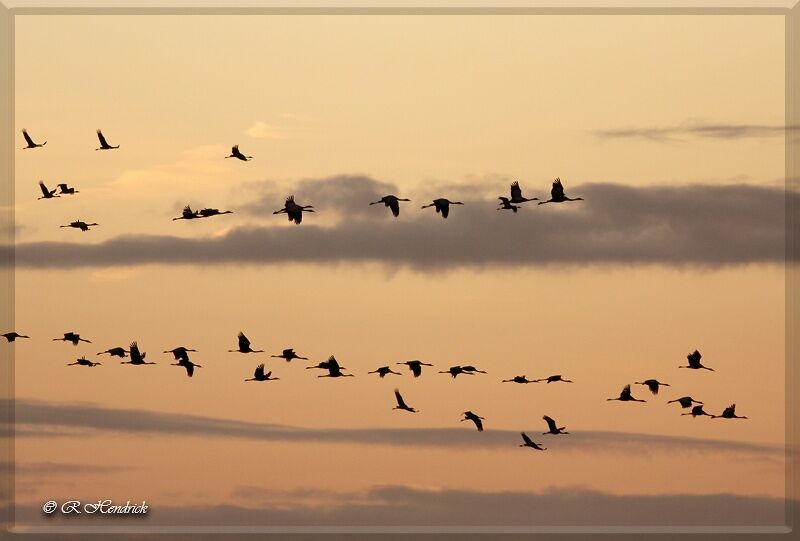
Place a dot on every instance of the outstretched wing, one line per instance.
(445, 210)
(244, 343)
(526, 439)
(551, 424)
(44, 189)
(395, 206)
(516, 191)
(259, 373)
(101, 137)
(558, 190)
(28, 138)
(626, 392)
(400, 401)
(333, 364)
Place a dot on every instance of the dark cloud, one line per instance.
(713, 131)
(704, 225)
(51, 419)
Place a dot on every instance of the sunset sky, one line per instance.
(672, 130)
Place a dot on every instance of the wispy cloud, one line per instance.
(703, 225)
(697, 129)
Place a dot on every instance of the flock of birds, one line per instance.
(294, 212)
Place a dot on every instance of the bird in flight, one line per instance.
(293, 210)
(471, 370)
(207, 213)
(244, 346)
(236, 153)
(455, 371)
(518, 379)
(187, 214)
(103, 143)
(516, 194)
(29, 141)
(401, 404)
(625, 396)
(182, 357)
(66, 190)
(551, 425)
(391, 201)
(383, 370)
(83, 361)
(180, 352)
(652, 384)
(78, 224)
(530, 443)
(685, 401)
(334, 370)
(442, 206)
(729, 413)
(115, 352)
(11, 336)
(72, 337)
(694, 361)
(475, 418)
(557, 194)
(289, 354)
(505, 204)
(551, 379)
(46, 193)
(259, 375)
(415, 366)
(697, 410)
(137, 357)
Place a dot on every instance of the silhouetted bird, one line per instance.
(78, 224)
(293, 210)
(551, 379)
(236, 153)
(625, 396)
(334, 370)
(530, 443)
(72, 337)
(415, 366)
(383, 370)
(137, 357)
(729, 413)
(505, 204)
(180, 352)
(115, 352)
(183, 360)
(46, 193)
(29, 141)
(11, 336)
(207, 213)
(685, 401)
(697, 410)
(244, 346)
(477, 419)
(64, 189)
(517, 379)
(259, 375)
(652, 384)
(401, 404)
(551, 425)
(557, 194)
(516, 194)
(103, 143)
(83, 361)
(391, 201)
(442, 206)
(694, 361)
(289, 354)
(472, 370)
(456, 370)
(187, 214)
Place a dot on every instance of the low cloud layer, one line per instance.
(701, 225)
(697, 129)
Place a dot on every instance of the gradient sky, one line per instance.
(423, 106)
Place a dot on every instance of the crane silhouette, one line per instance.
(236, 153)
(29, 141)
(391, 201)
(334, 370)
(518, 379)
(505, 204)
(455, 371)
(530, 443)
(115, 352)
(293, 210)
(401, 404)
(557, 194)
(72, 337)
(182, 357)
(207, 213)
(415, 366)
(551, 379)
(46, 193)
(187, 214)
(12, 336)
(137, 357)
(324, 365)
(383, 370)
(289, 354)
(103, 143)
(697, 410)
(729, 413)
(472, 369)
(685, 401)
(551, 425)
(694, 361)
(475, 418)
(79, 224)
(180, 352)
(625, 396)
(66, 190)
(83, 361)
(652, 384)
(442, 206)
(244, 346)
(516, 194)
(259, 375)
